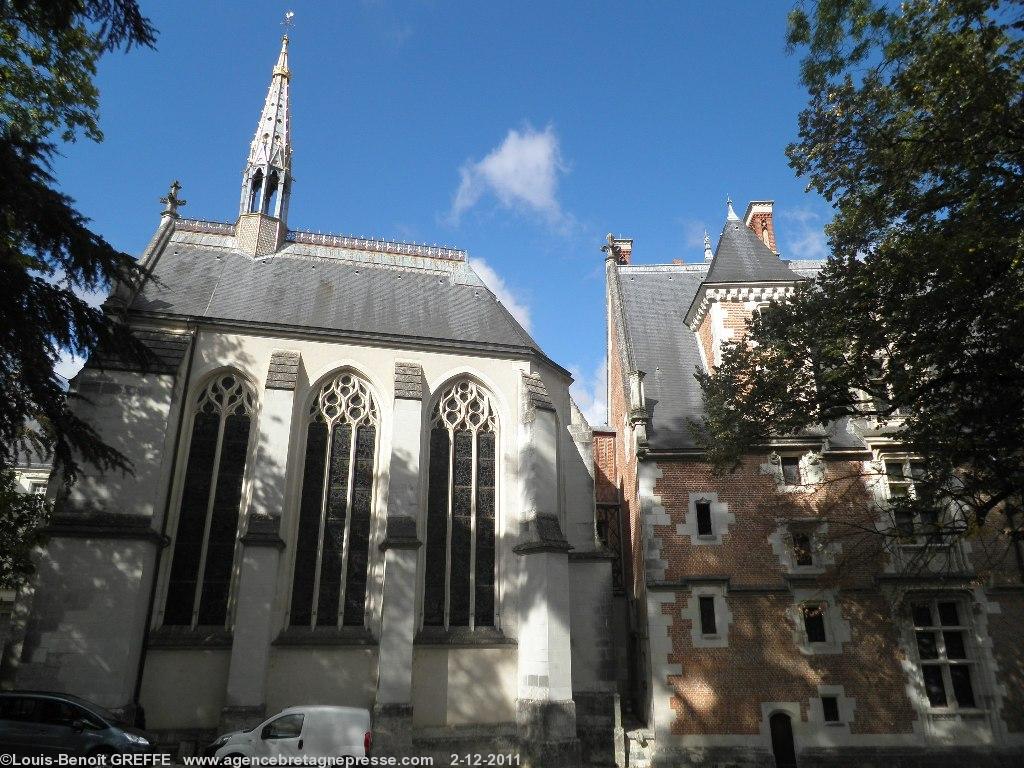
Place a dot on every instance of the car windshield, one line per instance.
(96, 709)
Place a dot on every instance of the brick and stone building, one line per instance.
(759, 630)
(357, 481)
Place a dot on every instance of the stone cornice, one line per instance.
(716, 292)
(103, 525)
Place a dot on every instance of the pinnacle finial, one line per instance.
(171, 200)
(708, 255)
(730, 214)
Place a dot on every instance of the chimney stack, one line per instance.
(619, 248)
(759, 218)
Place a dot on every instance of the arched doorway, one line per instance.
(782, 740)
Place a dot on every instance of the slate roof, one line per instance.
(325, 288)
(654, 303)
(741, 257)
(654, 300)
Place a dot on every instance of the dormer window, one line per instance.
(903, 477)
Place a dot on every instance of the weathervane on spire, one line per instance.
(171, 200)
(289, 21)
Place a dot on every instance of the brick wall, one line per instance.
(721, 689)
(758, 222)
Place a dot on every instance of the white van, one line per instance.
(308, 731)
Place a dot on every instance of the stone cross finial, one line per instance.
(171, 200)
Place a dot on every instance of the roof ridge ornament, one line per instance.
(171, 200)
(708, 255)
(730, 214)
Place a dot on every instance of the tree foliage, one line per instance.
(49, 257)
(24, 515)
(914, 131)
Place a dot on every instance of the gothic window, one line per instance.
(256, 192)
(333, 541)
(459, 589)
(204, 543)
(270, 198)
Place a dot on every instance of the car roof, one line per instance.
(50, 694)
(96, 709)
(303, 708)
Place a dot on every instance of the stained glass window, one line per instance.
(207, 528)
(459, 589)
(333, 540)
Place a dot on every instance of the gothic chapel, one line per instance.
(357, 481)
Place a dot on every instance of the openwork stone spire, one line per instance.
(266, 181)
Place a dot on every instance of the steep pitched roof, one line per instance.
(652, 307)
(741, 257)
(347, 291)
(654, 302)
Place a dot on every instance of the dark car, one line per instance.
(38, 723)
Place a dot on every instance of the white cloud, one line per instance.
(806, 240)
(516, 305)
(522, 173)
(590, 393)
(693, 233)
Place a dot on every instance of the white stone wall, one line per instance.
(138, 415)
(462, 686)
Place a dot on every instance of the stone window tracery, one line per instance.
(335, 506)
(199, 586)
(459, 589)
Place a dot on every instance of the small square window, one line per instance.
(791, 470)
(814, 623)
(704, 518)
(708, 626)
(802, 553)
(830, 707)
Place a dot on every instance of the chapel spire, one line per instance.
(266, 180)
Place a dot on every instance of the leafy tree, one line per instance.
(24, 515)
(48, 254)
(914, 131)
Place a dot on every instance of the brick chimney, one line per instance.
(759, 218)
(619, 248)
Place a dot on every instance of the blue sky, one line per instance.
(520, 131)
